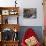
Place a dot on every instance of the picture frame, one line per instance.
(5, 12)
(13, 12)
(30, 13)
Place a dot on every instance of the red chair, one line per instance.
(29, 33)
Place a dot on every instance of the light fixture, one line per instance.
(15, 3)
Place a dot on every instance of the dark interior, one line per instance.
(9, 35)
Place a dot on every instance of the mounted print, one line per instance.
(5, 12)
(30, 13)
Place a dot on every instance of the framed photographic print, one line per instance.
(30, 13)
(5, 12)
(13, 12)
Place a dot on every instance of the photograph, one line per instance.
(30, 13)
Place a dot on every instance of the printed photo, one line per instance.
(30, 13)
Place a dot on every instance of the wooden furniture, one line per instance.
(6, 12)
(5, 24)
(11, 26)
(10, 43)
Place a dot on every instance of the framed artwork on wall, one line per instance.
(5, 12)
(30, 13)
(13, 12)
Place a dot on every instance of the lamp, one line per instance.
(15, 3)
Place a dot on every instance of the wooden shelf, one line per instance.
(9, 43)
(9, 8)
(5, 12)
(9, 26)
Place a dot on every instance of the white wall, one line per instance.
(27, 4)
(32, 22)
(6, 3)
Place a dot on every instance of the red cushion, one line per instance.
(29, 33)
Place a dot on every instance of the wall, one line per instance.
(32, 22)
(27, 4)
(6, 3)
